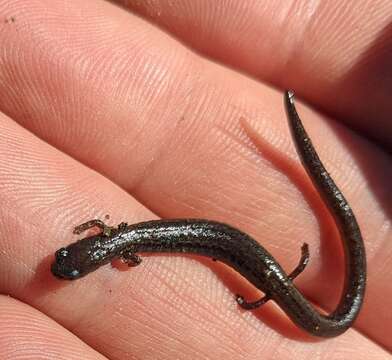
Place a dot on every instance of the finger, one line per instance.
(162, 306)
(25, 333)
(200, 163)
(334, 54)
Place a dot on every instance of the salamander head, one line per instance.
(79, 258)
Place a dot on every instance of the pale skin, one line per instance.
(103, 112)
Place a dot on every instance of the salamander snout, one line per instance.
(64, 265)
(79, 259)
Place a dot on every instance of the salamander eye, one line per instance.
(61, 253)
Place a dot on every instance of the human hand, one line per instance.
(103, 112)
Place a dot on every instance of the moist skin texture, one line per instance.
(238, 250)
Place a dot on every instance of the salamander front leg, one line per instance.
(298, 270)
(131, 258)
(106, 230)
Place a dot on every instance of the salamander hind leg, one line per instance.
(130, 258)
(303, 261)
(251, 305)
(298, 270)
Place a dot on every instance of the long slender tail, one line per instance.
(355, 259)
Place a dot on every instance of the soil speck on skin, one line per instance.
(9, 20)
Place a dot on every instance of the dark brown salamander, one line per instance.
(237, 249)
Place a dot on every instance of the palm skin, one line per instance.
(104, 112)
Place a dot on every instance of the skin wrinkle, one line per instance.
(337, 35)
(192, 299)
(158, 156)
(244, 142)
(160, 306)
(27, 326)
(265, 151)
(162, 333)
(161, 152)
(137, 296)
(167, 150)
(206, 325)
